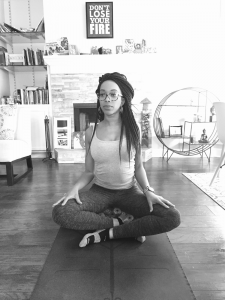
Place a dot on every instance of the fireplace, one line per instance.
(73, 93)
(89, 109)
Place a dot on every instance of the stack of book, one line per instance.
(33, 57)
(33, 95)
(9, 28)
(29, 57)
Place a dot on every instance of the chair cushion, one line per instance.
(12, 150)
(8, 118)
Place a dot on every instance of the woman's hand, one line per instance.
(156, 199)
(71, 195)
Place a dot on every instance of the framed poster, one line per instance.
(62, 132)
(99, 20)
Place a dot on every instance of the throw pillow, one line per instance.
(8, 118)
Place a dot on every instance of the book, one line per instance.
(4, 29)
(7, 62)
(3, 50)
(25, 57)
(42, 57)
(29, 57)
(16, 59)
(35, 58)
(21, 94)
(32, 55)
(11, 28)
(39, 62)
(41, 26)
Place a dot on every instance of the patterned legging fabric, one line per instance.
(89, 215)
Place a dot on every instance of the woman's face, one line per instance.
(109, 106)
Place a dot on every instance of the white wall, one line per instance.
(188, 35)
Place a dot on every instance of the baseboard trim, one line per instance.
(38, 154)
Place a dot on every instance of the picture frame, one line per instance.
(62, 132)
(119, 49)
(99, 20)
(175, 130)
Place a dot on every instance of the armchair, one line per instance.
(18, 149)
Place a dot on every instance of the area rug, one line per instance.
(114, 270)
(216, 191)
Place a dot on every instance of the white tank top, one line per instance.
(110, 172)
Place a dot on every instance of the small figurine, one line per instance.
(94, 50)
(137, 48)
(203, 137)
(119, 49)
(100, 50)
(213, 113)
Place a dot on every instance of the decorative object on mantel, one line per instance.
(99, 19)
(119, 49)
(73, 50)
(129, 46)
(136, 48)
(57, 47)
(94, 50)
(146, 134)
(102, 50)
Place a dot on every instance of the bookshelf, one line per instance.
(26, 14)
(22, 38)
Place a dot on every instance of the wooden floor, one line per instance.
(27, 230)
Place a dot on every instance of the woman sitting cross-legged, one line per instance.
(114, 207)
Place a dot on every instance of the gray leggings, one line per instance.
(89, 215)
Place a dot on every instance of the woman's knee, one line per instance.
(57, 213)
(61, 213)
(173, 218)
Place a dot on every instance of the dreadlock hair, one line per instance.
(129, 124)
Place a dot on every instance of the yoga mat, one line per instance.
(113, 270)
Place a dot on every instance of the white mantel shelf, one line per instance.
(69, 64)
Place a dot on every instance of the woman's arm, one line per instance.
(85, 178)
(88, 174)
(142, 180)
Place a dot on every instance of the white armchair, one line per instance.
(19, 148)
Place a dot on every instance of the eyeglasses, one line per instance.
(112, 96)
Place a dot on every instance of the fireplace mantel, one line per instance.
(69, 64)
